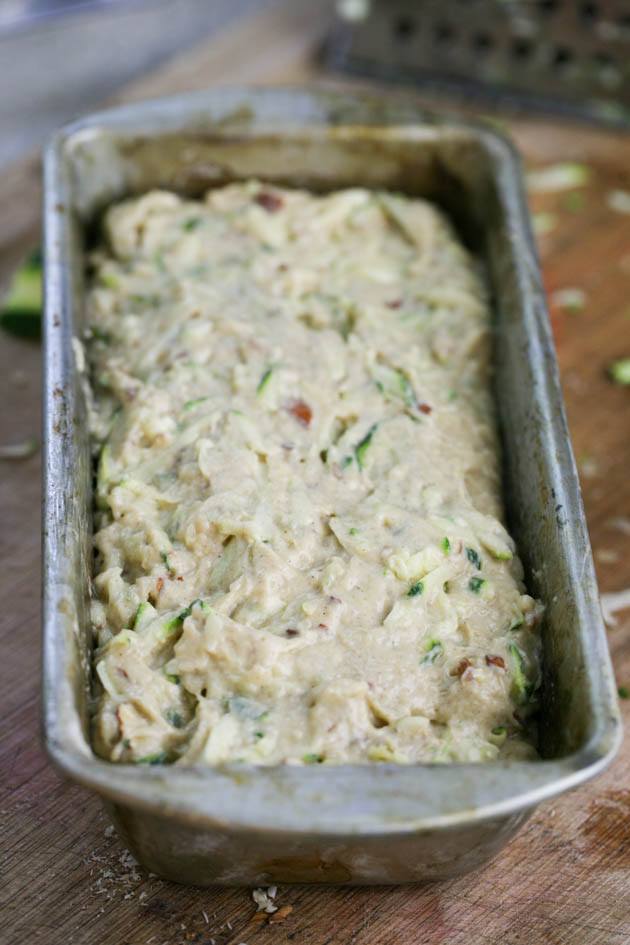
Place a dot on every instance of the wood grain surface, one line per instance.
(565, 879)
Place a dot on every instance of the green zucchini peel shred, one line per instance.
(363, 445)
(191, 404)
(145, 610)
(473, 557)
(246, 708)
(264, 380)
(174, 623)
(434, 649)
(476, 585)
(521, 689)
(175, 718)
(159, 758)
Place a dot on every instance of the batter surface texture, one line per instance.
(300, 554)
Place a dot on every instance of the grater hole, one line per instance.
(482, 42)
(522, 49)
(404, 27)
(608, 72)
(561, 57)
(589, 11)
(444, 33)
(603, 60)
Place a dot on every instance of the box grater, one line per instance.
(565, 55)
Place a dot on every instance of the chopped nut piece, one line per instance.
(301, 411)
(495, 661)
(461, 667)
(269, 201)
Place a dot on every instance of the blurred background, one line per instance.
(61, 57)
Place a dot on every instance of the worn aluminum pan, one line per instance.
(353, 824)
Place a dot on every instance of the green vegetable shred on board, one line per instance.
(619, 372)
(20, 313)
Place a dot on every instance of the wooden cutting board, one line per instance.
(565, 880)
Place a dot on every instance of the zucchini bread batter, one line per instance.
(300, 554)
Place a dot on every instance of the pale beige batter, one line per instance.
(300, 552)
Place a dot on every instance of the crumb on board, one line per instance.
(572, 299)
(589, 467)
(618, 200)
(607, 555)
(556, 177)
(281, 914)
(22, 450)
(621, 523)
(19, 378)
(128, 861)
(544, 223)
(613, 603)
(264, 899)
(113, 874)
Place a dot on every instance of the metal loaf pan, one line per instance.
(348, 824)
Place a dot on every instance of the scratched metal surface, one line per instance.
(352, 823)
